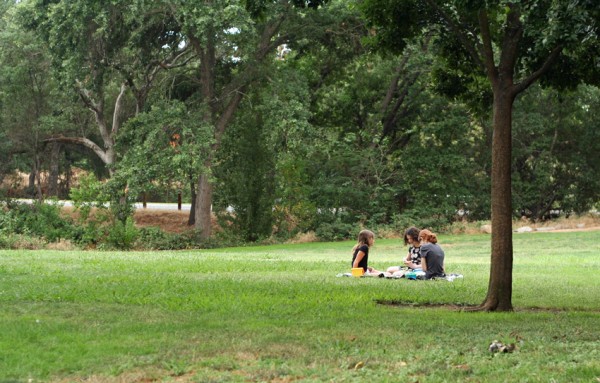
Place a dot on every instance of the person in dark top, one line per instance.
(360, 253)
(432, 255)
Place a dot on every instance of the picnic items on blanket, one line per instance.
(415, 274)
(411, 275)
(452, 277)
(358, 271)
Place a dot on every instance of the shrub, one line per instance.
(37, 219)
(335, 231)
(88, 195)
(121, 235)
(426, 219)
(224, 238)
(20, 241)
(8, 221)
(88, 234)
(153, 238)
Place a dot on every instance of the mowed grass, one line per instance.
(280, 314)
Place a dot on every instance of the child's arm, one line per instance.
(408, 257)
(424, 263)
(358, 258)
(411, 265)
(408, 261)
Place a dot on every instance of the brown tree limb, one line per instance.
(487, 49)
(459, 32)
(116, 125)
(87, 98)
(526, 82)
(510, 42)
(86, 142)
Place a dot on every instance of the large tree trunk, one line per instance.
(192, 216)
(499, 296)
(37, 178)
(203, 213)
(54, 170)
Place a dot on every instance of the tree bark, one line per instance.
(499, 296)
(192, 216)
(54, 170)
(37, 178)
(203, 206)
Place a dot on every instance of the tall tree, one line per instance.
(232, 41)
(512, 44)
(25, 97)
(100, 50)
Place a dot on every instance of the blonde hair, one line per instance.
(364, 236)
(428, 236)
(363, 239)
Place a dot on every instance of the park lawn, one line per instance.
(279, 314)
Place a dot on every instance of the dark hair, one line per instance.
(428, 235)
(411, 232)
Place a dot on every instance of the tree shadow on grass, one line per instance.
(468, 307)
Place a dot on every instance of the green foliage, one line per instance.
(247, 167)
(36, 220)
(253, 175)
(571, 26)
(335, 231)
(88, 234)
(164, 146)
(9, 220)
(222, 239)
(112, 209)
(153, 238)
(90, 194)
(555, 154)
(21, 242)
(121, 235)
(312, 145)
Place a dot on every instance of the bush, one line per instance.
(38, 220)
(335, 231)
(426, 219)
(121, 235)
(8, 221)
(88, 195)
(153, 238)
(88, 234)
(225, 238)
(20, 241)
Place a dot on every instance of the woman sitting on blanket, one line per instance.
(413, 257)
(432, 255)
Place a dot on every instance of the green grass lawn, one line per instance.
(280, 314)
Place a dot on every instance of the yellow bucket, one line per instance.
(358, 271)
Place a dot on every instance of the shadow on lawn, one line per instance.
(467, 307)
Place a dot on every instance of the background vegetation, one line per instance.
(326, 136)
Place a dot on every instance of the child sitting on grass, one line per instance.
(360, 254)
(412, 261)
(432, 255)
